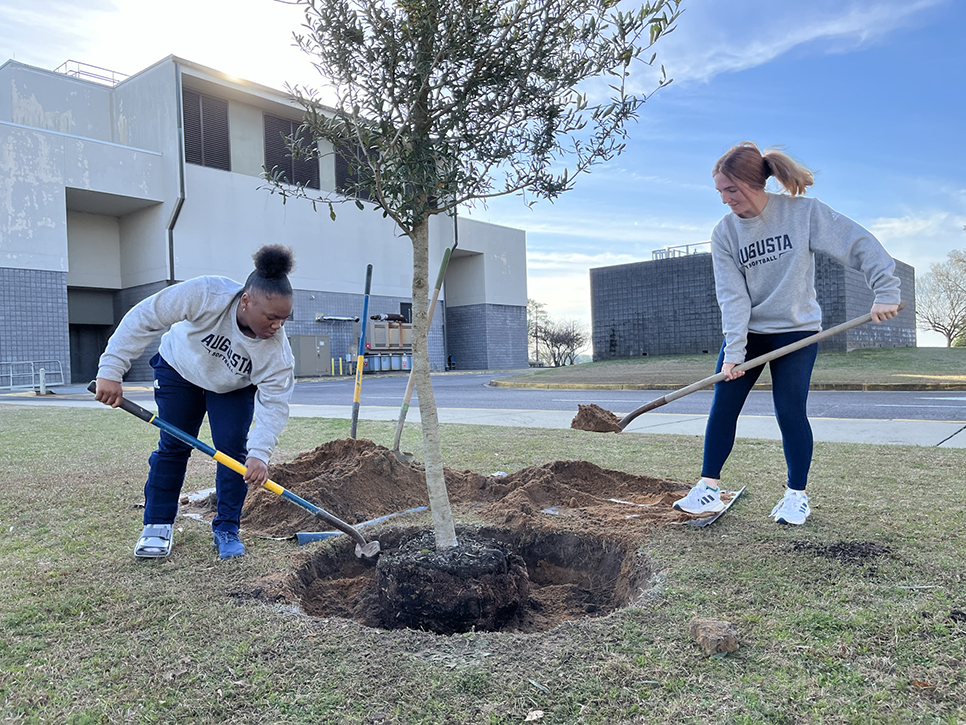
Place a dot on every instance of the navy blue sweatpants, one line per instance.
(183, 405)
(790, 377)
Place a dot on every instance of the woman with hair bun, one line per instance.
(223, 354)
(763, 254)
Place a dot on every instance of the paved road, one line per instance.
(472, 391)
(935, 419)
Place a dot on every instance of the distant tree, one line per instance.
(564, 341)
(536, 326)
(442, 102)
(941, 298)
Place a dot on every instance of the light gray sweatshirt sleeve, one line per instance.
(734, 299)
(274, 391)
(855, 247)
(146, 320)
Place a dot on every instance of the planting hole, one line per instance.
(497, 579)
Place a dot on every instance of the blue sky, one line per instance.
(870, 94)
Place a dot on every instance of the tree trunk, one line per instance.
(432, 448)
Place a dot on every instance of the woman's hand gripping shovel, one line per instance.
(364, 549)
(753, 363)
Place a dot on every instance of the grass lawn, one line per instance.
(901, 366)
(89, 634)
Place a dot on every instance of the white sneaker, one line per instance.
(792, 508)
(702, 499)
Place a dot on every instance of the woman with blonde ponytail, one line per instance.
(224, 354)
(764, 270)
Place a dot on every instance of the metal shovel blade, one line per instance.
(708, 520)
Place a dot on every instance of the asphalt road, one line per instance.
(471, 390)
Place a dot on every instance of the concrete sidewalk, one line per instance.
(944, 434)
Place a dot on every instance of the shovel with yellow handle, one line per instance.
(364, 549)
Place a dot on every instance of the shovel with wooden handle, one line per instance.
(753, 363)
(364, 549)
(411, 383)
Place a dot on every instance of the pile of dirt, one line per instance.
(569, 528)
(595, 419)
(357, 480)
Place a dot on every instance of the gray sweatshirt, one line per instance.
(207, 348)
(764, 267)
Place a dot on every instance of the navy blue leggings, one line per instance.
(790, 376)
(183, 405)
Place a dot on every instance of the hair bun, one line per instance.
(274, 260)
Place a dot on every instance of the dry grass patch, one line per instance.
(89, 635)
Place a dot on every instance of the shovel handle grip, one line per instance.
(131, 407)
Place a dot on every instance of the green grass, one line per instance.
(871, 366)
(88, 634)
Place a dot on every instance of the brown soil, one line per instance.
(357, 480)
(565, 518)
(595, 419)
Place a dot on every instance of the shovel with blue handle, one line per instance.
(364, 549)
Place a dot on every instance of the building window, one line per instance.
(349, 161)
(278, 157)
(206, 138)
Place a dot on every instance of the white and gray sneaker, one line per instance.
(792, 508)
(702, 499)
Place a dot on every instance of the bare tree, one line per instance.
(536, 326)
(564, 341)
(442, 102)
(941, 298)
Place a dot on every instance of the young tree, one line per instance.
(536, 326)
(941, 298)
(442, 102)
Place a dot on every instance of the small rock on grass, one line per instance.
(714, 636)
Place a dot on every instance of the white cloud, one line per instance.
(921, 240)
(716, 37)
(47, 34)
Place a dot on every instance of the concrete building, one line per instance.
(667, 306)
(111, 191)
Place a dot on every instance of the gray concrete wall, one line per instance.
(487, 337)
(844, 294)
(668, 307)
(70, 105)
(90, 181)
(662, 307)
(33, 316)
(488, 267)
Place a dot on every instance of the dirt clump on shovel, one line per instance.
(595, 419)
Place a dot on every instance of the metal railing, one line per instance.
(27, 374)
(76, 69)
(682, 250)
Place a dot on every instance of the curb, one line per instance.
(758, 386)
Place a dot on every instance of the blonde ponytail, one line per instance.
(794, 177)
(746, 164)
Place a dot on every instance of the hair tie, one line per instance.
(766, 167)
